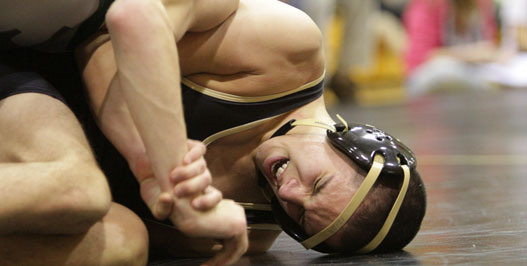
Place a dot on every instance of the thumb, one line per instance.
(162, 206)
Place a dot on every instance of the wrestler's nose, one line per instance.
(291, 191)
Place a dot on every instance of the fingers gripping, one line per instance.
(210, 198)
(196, 149)
(188, 171)
(194, 185)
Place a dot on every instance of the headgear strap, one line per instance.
(350, 208)
(353, 204)
(363, 190)
(374, 243)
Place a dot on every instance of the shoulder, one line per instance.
(282, 25)
(282, 29)
(287, 40)
(263, 40)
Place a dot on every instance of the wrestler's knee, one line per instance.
(126, 237)
(88, 195)
(120, 238)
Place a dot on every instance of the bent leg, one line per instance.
(56, 207)
(50, 181)
(120, 238)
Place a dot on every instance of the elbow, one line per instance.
(85, 201)
(95, 202)
(68, 197)
(133, 15)
(119, 15)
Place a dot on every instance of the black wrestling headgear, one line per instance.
(372, 150)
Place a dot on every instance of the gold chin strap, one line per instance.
(376, 241)
(316, 123)
(313, 123)
(353, 204)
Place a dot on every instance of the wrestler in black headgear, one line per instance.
(374, 151)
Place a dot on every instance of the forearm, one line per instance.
(149, 76)
(115, 121)
(144, 35)
(99, 72)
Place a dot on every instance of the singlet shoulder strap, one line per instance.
(247, 99)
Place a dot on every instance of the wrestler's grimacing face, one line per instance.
(312, 180)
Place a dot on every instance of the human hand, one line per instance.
(205, 215)
(220, 219)
(225, 222)
(191, 179)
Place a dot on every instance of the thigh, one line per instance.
(35, 123)
(120, 238)
(46, 164)
(36, 127)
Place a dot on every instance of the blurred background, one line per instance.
(383, 52)
(449, 78)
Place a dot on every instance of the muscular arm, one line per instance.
(149, 74)
(148, 83)
(265, 47)
(108, 105)
(148, 77)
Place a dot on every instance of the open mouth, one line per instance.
(278, 168)
(275, 168)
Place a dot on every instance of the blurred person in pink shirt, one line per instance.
(446, 39)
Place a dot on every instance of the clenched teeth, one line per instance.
(279, 168)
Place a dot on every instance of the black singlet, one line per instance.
(210, 115)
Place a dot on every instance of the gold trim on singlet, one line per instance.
(260, 207)
(234, 130)
(255, 206)
(266, 227)
(243, 99)
(247, 99)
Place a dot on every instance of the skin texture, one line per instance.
(235, 56)
(148, 76)
(64, 216)
(57, 208)
(313, 194)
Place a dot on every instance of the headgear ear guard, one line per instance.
(375, 152)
